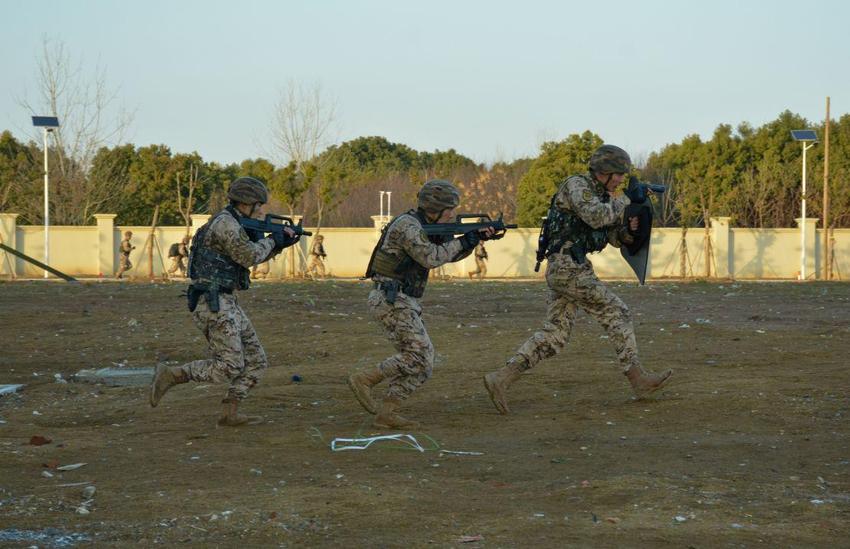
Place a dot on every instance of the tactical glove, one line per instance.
(282, 240)
(470, 240)
(636, 191)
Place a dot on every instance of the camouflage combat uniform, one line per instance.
(583, 218)
(124, 263)
(402, 320)
(399, 267)
(574, 285)
(480, 262)
(236, 353)
(316, 267)
(178, 262)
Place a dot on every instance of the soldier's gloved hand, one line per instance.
(488, 234)
(636, 191)
(284, 239)
(469, 240)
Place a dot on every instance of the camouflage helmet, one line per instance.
(248, 190)
(610, 159)
(128, 233)
(437, 195)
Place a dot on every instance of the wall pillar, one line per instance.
(722, 246)
(811, 228)
(8, 230)
(105, 244)
(378, 221)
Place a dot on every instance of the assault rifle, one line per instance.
(273, 223)
(459, 227)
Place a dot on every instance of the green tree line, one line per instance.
(751, 174)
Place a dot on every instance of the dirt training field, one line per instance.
(748, 446)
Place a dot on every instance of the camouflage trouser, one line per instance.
(177, 263)
(316, 266)
(402, 323)
(572, 286)
(480, 268)
(124, 264)
(237, 355)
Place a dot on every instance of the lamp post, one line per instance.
(807, 138)
(48, 124)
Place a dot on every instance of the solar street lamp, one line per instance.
(48, 124)
(808, 138)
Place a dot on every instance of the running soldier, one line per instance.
(317, 258)
(480, 262)
(178, 253)
(399, 269)
(222, 251)
(124, 263)
(586, 215)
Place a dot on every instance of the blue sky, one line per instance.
(490, 79)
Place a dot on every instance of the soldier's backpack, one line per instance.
(174, 250)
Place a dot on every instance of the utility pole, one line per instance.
(827, 230)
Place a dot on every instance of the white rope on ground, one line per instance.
(341, 444)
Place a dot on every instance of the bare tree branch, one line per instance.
(89, 121)
(303, 123)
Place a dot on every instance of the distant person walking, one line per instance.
(124, 263)
(316, 267)
(178, 254)
(480, 262)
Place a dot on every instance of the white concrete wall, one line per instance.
(739, 253)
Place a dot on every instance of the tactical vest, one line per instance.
(214, 270)
(564, 226)
(412, 276)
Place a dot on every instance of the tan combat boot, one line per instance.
(361, 385)
(230, 417)
(645, 383)
(164, 379)
(387, 418)
(497, 384)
